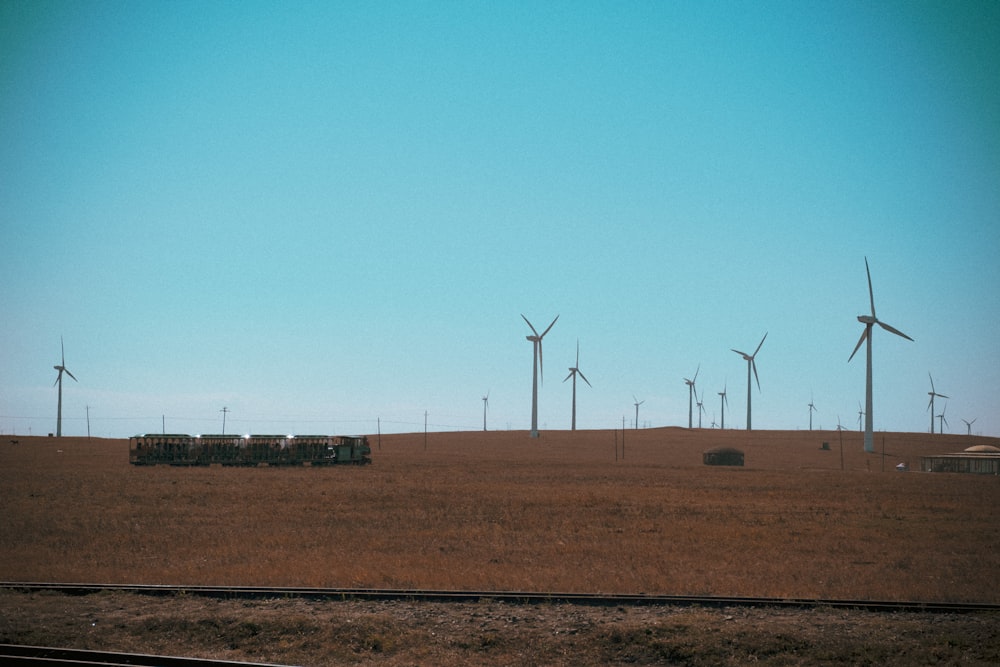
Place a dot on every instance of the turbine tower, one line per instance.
(968, 425)
(62, 369)
(573, 372)
(866, 335)
(536, 341)
(723, 403)
(930, 406)
(690, 385)
(812, 408)
(486, 402)
(637, 404)
(751, 365)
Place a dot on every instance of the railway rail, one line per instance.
(508, 597)
(18, 654)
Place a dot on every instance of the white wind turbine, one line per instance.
(723, 401)
(701, 408)
(573, 372)
(637, 404)
(861, 415)
(968, 425)
(536, 341)
(751, 365)
(486, 403)
(941, 420)
(930, 406)
(690, 386)
(812, 408)
(869, 321)
(62, 369)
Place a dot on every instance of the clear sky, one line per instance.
(320, 215)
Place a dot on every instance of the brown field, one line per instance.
(499, 511)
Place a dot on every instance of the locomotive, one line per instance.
(180, 449)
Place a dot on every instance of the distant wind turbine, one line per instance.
(866, 335)
(691, 393)
(942, 421)
(486, 402)
(812, 408)
(573, 372)
(751, 365)
(930, 406)
(637, 404)
(701, 408)
(723, 402)
(861, 414)
(536, 341)
(968, 425)
(62, 369)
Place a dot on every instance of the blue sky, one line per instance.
(322, 215)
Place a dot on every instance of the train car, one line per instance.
(248, 450)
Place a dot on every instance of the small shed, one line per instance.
(723, 456)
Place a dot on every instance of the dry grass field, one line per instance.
(499, 511)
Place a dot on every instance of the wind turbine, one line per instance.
(968, 425)
(869, 321)
(62, 369)
(723, 402)
(930, 406)
(942, 421)
(751, 365)
(701, 408)
(690, 385)
(573, 372)
(486, 402)
(536, 341)
(861, 414)
(812, 408)
(637, 404)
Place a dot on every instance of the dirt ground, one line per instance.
(302, 632)
(829, 522)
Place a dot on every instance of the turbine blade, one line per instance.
(58, 376)
(71, 375)
(738, 352)
(761, 343)
(549, 327)
(541, 366)
(932, 381)
(696, 374)
(62, 350)
(529, 324)
(871, 295)
(864, 334)
(584, 377)
(753, 365)
(578, 352)
(570, 374)
(893, 330)
(938, 395)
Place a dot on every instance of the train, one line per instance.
(179, 449)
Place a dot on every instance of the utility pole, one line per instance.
(88, 422)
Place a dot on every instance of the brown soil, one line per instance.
(499, 511)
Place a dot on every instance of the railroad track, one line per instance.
(508, 597)
(17, 654)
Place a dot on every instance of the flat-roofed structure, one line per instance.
(978, 460)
